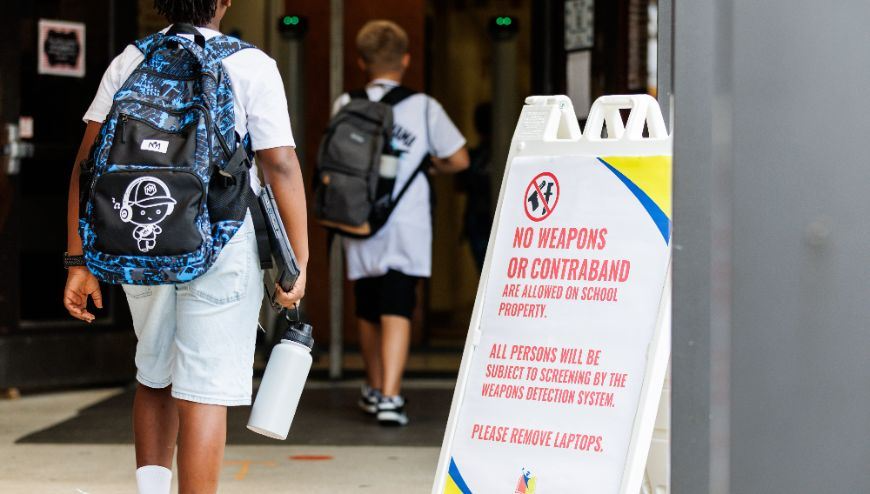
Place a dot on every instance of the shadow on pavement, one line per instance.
(326, 417)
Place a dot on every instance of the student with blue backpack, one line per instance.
(162, 200)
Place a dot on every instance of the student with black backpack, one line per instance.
(163, 201)
(372, 189)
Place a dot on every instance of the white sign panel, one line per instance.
(558, 371)
(61, 48)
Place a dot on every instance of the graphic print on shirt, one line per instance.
(147, 202)
(403, 138)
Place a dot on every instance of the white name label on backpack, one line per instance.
(155, 145)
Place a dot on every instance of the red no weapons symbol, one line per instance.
(541, 196)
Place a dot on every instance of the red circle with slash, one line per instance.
(541, 197)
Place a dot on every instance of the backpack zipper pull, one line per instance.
(123, 128)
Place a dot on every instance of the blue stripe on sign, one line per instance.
(457, 477)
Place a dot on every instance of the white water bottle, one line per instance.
(282, 383)
(387, 170)
(389, 166)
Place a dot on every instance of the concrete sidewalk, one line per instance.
(109, 469)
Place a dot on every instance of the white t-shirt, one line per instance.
(404, 243)
(259, 101)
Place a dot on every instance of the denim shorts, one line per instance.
(199, 337)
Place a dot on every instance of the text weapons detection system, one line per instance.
(570, 336)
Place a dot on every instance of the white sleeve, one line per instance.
(340, 102)
(444, 138)
(266, 109)
(117, 72)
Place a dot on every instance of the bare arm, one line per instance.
(454, 163)
(282, 171)
(73, 241)
(80, 283)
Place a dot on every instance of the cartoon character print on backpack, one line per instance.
(147, 202)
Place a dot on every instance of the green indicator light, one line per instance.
(287, 20)
(507, 21)
(294, 20)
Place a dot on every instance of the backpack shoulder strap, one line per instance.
(147, 43)
(397, 95)
(358, 94)
(421, 168)
(220, 47)
(394, 97)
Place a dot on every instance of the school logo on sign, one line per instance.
(541, 197)
(526, 483)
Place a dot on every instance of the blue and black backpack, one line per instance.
(167, 182)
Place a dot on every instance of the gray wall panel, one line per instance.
(800, 383)
(771, 204)
(693, 141)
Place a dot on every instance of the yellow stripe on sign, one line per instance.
(450, 487)
(652, 174)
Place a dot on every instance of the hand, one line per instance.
(80, 284)
(291, 298)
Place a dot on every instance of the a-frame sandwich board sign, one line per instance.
(569, 339)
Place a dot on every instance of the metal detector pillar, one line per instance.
(506, 102)
(336, 264)
(291, 61)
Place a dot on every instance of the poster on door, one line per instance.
(569, 307)
(61, 49)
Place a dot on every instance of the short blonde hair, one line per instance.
(382, 45)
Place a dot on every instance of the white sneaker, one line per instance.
(369, 399)
(391, 411)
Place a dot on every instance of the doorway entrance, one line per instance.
(40, 344)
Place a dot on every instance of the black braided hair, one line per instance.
(196, 12)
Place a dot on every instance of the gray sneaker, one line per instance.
(391, 411)
(369, 399)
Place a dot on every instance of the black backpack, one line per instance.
(350, 197)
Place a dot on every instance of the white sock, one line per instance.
(154, 479)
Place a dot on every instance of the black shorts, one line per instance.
(393, 294)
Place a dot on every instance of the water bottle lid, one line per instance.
(300, 333)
